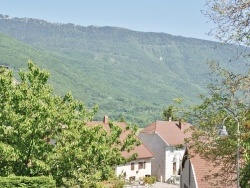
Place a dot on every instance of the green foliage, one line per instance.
(114, 183)
(124, 72)
(175, 111)
(169, 113)
(227, 104)
(231, 20)
(27, 182)
(118, 184)
(32, 116)
(245, 178)
(149, 180)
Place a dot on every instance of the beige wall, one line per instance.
(156, 146)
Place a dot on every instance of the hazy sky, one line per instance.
(176, 17)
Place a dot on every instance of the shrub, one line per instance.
(149, 180)
(116, 183)
(30, 182)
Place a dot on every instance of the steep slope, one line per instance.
(127, 73)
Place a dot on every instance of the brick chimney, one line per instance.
(105, 119)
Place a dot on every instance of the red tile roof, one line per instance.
(208, 174)
(172, 132)
(141, 150)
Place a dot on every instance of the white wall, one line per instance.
(138, 173)
(162, 164)
(171, 153)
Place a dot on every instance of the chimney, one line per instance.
(179, 124)
(105, 119)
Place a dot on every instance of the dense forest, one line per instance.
(128, 74)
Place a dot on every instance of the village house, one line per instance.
(165, 139)
(197, 172)
(134, 170)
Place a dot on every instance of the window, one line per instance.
(142, 165)
(132, 166)
(174, 168)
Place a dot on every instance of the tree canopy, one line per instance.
(231, 18)
(226, 105)
(45, 134)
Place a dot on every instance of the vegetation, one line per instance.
(31, 182)
(128, 74)
(174, 112)
(232, 20)
(227, 105)
(149, 180)
(95, 64)
(42, 134)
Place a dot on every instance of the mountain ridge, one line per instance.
(128, 73)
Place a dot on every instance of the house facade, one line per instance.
(136, 169)
(165, 139)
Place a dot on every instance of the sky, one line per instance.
(176, 17)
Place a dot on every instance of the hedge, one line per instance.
(29, 182)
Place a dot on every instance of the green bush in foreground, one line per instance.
(30, 182)
(149, 180)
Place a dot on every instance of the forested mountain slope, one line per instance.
(127, 73)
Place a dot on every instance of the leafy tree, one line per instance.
(229, 98)
(173, 112)
(232, 19)
(45, 134)
(228, 103)
(168, 113)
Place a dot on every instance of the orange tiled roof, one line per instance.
(172, 132)
(141, 150)
(205, 172)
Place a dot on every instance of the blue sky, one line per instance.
(176, 17)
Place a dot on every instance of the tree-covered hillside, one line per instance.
(127, 73)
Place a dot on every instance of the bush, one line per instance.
(149, 180)
(116, 183)
(27, 182)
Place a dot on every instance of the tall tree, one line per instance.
(229, 98)
(227, 104)
(232, 20)
(45, 134)
(174, 112)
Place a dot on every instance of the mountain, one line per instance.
(127, 73)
